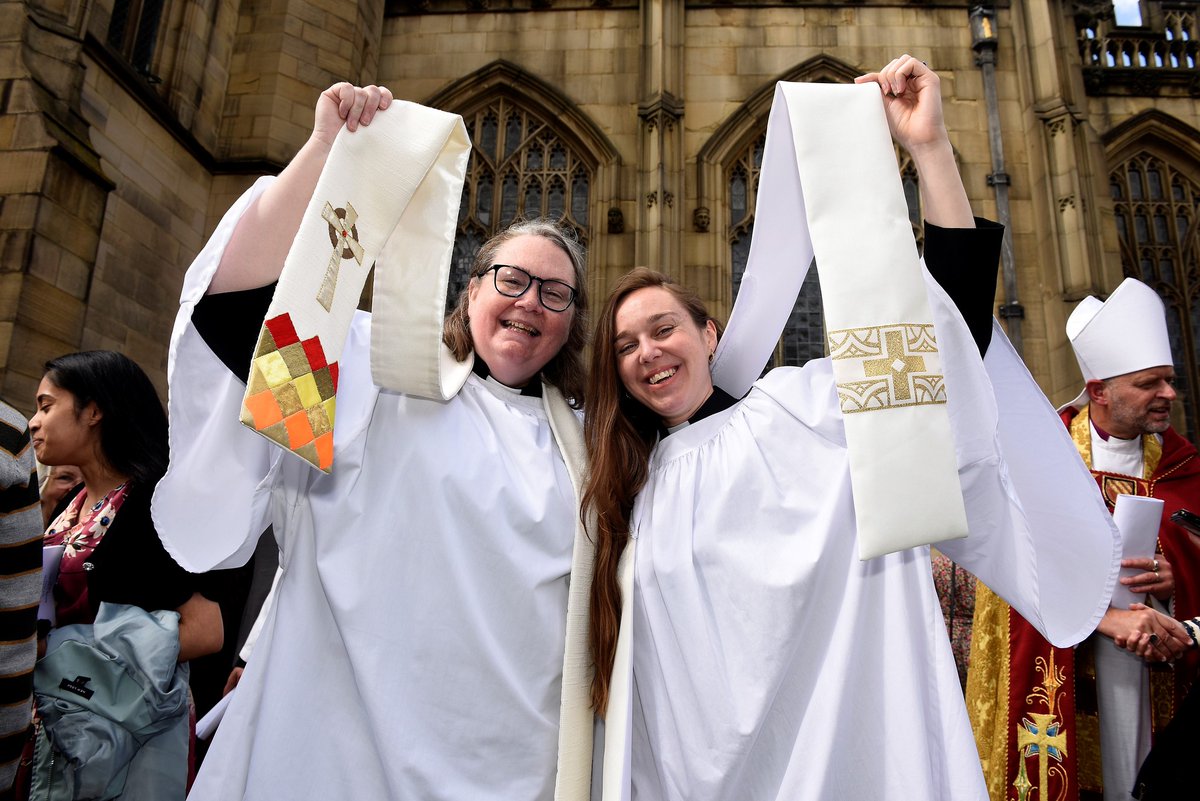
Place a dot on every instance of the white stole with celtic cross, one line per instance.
(390, 192)
(389, 188)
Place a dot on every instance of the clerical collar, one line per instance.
(718, 401)
(531, 390)
(1104, 435)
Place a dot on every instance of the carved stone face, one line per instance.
(701, 219)
(616, 221)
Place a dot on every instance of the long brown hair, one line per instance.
(619, 433)
(565, 370)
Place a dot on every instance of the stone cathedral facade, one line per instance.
(128, 126)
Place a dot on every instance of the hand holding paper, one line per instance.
(1137, 519)
(1152, 576)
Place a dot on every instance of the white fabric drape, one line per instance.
(829, 187)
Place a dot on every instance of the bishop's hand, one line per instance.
(1151, 635)
(1157, 580)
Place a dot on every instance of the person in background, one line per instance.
(58, 481)
(20, 587)
(99, 411)
(1125, 681)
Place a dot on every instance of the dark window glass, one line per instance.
(556, 198)
(579, 197)
(466, 245)
(521, 167)
(508, 199)
(133, 32)
(1156, 185)
(1163, 253)
(487, 135)
(512, 135)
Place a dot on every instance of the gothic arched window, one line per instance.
(804, 334)
(133, 32)
(520, 168)
(1157, 208)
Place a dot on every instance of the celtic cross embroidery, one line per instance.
(343, 236)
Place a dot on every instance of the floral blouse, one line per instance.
(79, 533)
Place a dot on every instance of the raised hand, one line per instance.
(349, 105)
(912, 101)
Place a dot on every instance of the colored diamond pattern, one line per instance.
(290, 396)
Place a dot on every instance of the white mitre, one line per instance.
(1124, 334)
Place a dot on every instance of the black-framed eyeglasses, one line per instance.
(513, 282)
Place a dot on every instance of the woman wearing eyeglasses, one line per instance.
(415, 646)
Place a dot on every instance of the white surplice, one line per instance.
(415, 647)
(767, 662)
(1122, 678)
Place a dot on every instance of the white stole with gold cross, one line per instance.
(830, 188)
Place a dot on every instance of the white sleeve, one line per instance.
(1040, 535)
(213, 502)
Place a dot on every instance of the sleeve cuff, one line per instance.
(229, 324)
(965, 262)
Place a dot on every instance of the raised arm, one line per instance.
(912, 101)
(255, 254)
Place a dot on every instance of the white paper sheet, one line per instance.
(206, 725)
(1138, 519)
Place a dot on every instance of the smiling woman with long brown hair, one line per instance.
(761, 659)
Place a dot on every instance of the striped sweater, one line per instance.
(20, 586)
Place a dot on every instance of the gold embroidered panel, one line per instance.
(886, 367)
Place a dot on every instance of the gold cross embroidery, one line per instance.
(344, 237)
(1044, 735)
(896, 364)
(1037, 735)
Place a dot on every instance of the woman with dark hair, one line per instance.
(97, 410)
(416, 644)
(127, 617)
(742, 648)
